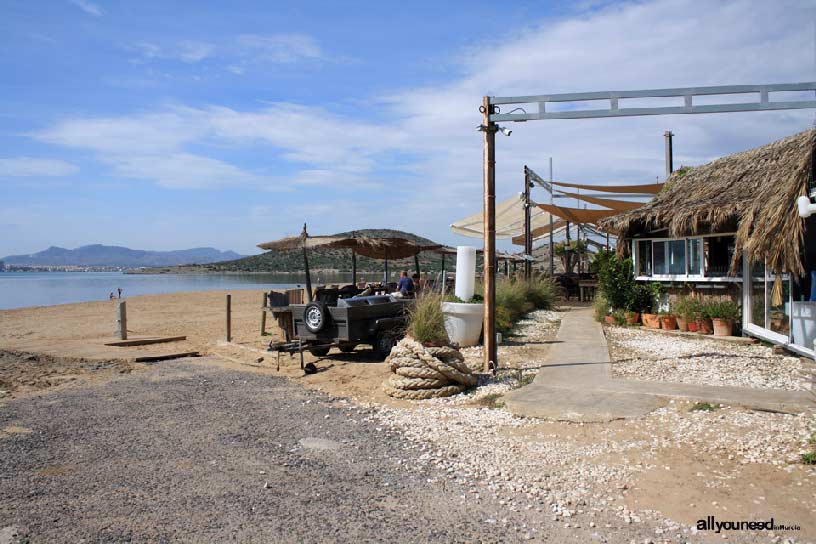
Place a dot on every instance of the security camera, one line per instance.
(806, 208)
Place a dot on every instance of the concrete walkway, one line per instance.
(576, 384)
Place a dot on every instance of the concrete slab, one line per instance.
(575, 383)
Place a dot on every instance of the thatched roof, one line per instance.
(374, 247)
(755, 190)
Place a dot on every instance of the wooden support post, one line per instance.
(444, 275)
(353, 267)
(305, 235)
(552, 253)
(489, 262)
(385, 279)
(122, 320)
(263, 314)
(416, 263)
(229, 318)
(669, 153)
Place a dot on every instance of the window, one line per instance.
(695, 257)
(659, 251)
(677, 257)
(644, 249)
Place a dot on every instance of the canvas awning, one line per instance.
(577, 215)
(509, 220)
(611, 203)
(651, 188)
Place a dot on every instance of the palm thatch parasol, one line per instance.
(754, 191)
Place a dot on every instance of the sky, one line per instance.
(169, 124)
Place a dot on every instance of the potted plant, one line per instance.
(426, 321)
(723, 313)
(704, 322)
(631, 317)
(667, 320)
(682, 313)
(644, 297)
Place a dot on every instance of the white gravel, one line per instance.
(644, 355)
(526, 464)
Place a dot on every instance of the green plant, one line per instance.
(426, 322)
(687, 307)
(492, 401)
(704, 407)
(568, 253)
(809, 458)
(600, 307)
(722, 309)
(620, 317)
(516, 298)
(642, 298)
(615, 278)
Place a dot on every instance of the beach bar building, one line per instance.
(731, 227)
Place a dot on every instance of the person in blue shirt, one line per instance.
(405, 285)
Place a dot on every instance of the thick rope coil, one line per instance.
(426, 372)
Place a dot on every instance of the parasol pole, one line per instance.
(305, 235)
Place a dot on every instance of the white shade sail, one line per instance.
(509, 220)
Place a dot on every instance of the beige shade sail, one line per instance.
(611, 203)
(558, 227)
(509, 220)
(651, 188)
(577, 215)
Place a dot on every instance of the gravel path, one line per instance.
(644, 355)
(191, 452)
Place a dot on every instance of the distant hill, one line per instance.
(99, 255)
(327, 259)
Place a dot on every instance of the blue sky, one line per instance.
(165, 125)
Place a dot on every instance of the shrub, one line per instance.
(515, 298)
(600, 307)
(704, 407)
(615, 278)
(426, 322)
(722, 309)
(643, 297)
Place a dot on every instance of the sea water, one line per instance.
(22, 289)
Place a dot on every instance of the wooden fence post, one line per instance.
(263, 314)
(229, 318)
(122, 320)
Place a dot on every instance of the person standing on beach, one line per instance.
(120, 291)
(111, 297)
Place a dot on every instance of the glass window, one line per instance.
(659, 252)
(677, 257)
(695, 257)
(644, 249)
(719, 251)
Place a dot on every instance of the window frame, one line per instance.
(687, 276)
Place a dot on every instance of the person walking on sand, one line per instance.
(120, 291)
(111, 297)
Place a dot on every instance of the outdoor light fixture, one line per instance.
(506, 131)
(806, 208)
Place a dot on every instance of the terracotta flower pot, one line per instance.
(632, 318)
(705, 326)
(692, 326)
(609, 320)
(668, 322)
(682, 324)
(651, 321)
(723, 327)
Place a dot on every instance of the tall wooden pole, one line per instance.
(444, 275)
(353, 267)
(528, 235)
(385, 281)
(416, 263)
(122, 320)
(308, 275)
(489, 128)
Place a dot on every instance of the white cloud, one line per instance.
(30, 166)
(280, 48)
(189, 51)
(88, 7)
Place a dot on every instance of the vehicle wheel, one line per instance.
(383, 343)
(347, 348)
(315, 316)
(319, 352)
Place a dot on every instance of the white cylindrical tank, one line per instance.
(465, 272)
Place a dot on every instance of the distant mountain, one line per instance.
(99, 255)
(326, 259)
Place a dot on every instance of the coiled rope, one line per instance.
(426, 372)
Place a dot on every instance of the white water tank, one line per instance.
(465, 272)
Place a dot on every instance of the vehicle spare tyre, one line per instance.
(315, 316)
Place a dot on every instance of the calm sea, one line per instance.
(21, 289)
